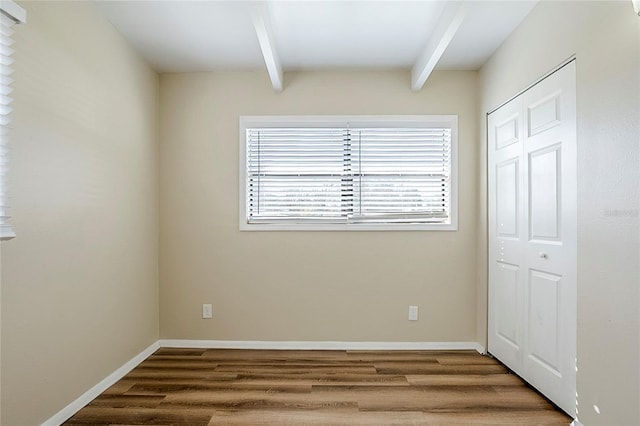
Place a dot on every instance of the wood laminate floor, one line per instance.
(258, 387)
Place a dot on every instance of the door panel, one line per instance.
(544, 114)
(532, 236)
(507, 198)
(507, 320)
(506, 133)
(544, 184)
(544, 324)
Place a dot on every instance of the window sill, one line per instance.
(347, 227)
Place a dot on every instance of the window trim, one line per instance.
(274, 121)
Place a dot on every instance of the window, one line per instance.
(10, 13)
(348, 173)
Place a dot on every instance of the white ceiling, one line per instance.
(184, 36)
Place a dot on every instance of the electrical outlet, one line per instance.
(207, 311)
(413, 313)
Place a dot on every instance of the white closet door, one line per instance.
(532, 236)
(507, 232)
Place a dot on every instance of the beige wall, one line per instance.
(0, 333)
(310, 286)
(80, 282)
(605, 37)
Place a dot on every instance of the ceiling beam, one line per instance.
(262, 25)
(448, 24)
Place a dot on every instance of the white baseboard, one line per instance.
(319, 345)
(68, 411)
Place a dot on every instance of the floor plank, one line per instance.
(269, 387)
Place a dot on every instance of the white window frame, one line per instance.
(248, 122)
(11, 14)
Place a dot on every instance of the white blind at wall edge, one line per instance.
(6, 70)
(349, 175)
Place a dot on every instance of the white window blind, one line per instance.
(10, 14)
(350, 174)
(298, 175)
(402, 175)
